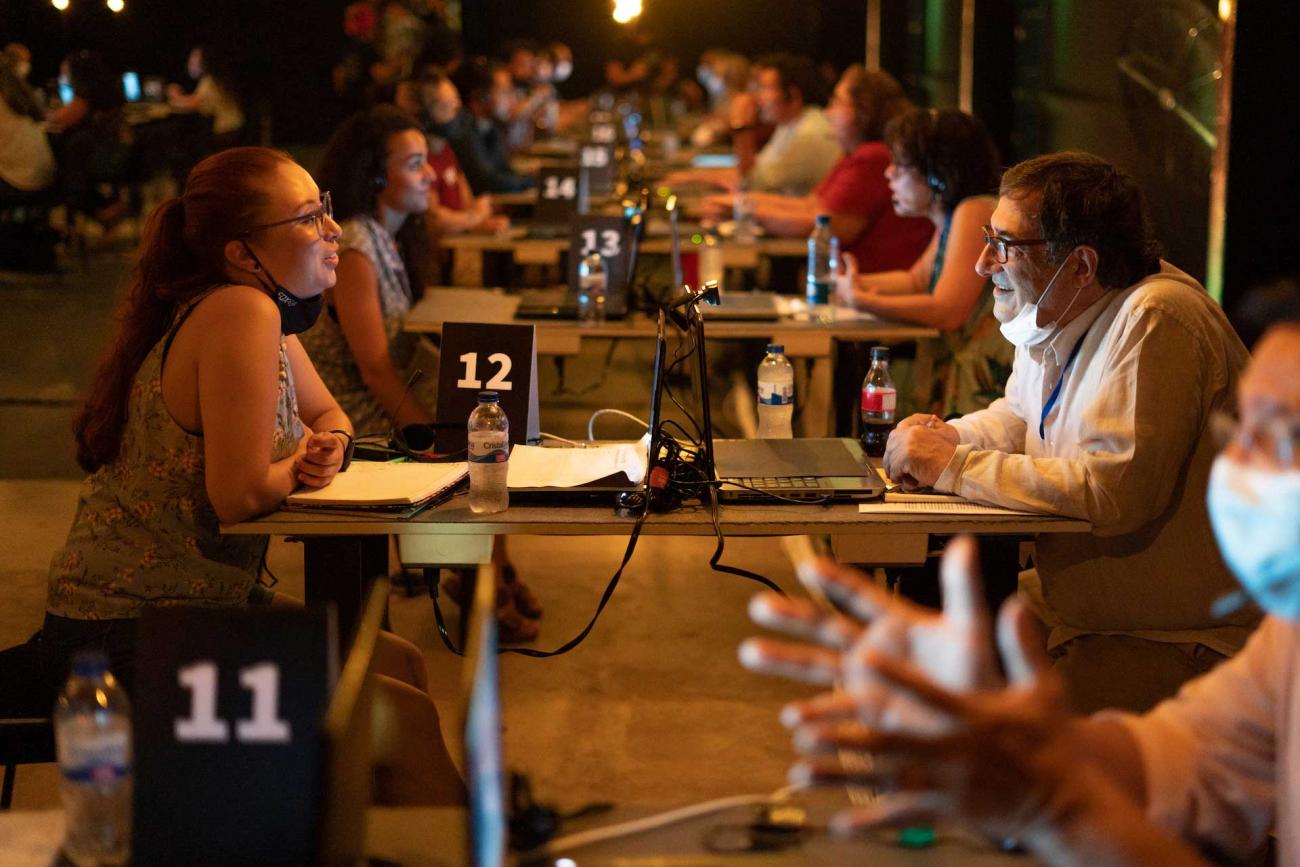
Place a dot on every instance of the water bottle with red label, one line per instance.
(879, 400)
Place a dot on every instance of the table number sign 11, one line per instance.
(229, 705)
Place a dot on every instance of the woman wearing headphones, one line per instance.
(945, 168)
(377, 166)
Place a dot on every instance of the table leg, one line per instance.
(339, 569)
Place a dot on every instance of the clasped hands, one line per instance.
(921, 694)
(318, 458)
(918, 450)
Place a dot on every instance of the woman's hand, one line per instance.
(319, 459)
(846, 281)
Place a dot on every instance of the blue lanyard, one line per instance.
(1056, 392)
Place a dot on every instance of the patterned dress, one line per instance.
(145, 532)
(328, 347)
(971, 370)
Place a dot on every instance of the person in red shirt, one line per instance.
(855, 193)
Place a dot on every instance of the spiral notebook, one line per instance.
(386, 486)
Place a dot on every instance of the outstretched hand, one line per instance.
(952, 647)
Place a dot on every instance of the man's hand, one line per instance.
(846, 280)
(952, 647)
(916, 454)
(319, 460)
(934, 423)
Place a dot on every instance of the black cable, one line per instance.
(576, 640)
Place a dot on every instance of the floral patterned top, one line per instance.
(972, 368)
(329, 349)
(145, 532)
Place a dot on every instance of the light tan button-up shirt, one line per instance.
(1126, 447)
(1221, 760)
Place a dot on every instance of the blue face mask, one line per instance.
(1256, 518)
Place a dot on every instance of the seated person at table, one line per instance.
(802, 148)
(1217, 767)
(855, 194)
(475, 136)
(375, 164)
(1120, 361)
(377, 170)
(945, 169)
(206, 410)
(89, 135)
(453, 207)
(26, 161)
(215, 96)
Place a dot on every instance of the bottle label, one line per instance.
(776, 394)
(99, 759)
(489, 447)
(876, 399)
(819, 292)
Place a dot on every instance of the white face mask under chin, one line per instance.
(1023, 330)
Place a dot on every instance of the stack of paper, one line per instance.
(538, 467)
(379, 485)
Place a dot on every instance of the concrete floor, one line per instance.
(652, 710)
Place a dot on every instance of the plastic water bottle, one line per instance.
(823, 261)
(489, 456)
(879, 399)
(591, 288)
(742, 214)
(92, 731)
(775, 395)
(711, 263)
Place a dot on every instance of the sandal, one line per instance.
(513, 627)
(525, 600)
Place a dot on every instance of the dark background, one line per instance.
(1046, 78)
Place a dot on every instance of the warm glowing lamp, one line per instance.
(61, 5)
(116, 5)
(626, 10)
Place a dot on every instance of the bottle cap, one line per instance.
(775, 348)
(823, 219)
(880, 353)
(488, 397)
(89, 663)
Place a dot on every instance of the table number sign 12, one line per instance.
(480, 357)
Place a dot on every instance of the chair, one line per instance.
(27, 736)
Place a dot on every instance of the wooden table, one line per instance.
(806, 339)
(342, 553)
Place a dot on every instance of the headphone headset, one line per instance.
(932, 179)
(379, 182)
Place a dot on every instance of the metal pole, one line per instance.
(966, 71)
(1219, 161)
(873, 35)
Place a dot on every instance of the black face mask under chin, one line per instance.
(296, 314)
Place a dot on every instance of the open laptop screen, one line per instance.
(484, 767)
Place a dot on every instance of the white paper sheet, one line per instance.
(538, 467)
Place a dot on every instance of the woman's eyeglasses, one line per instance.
(316, 217)
(1000, 245)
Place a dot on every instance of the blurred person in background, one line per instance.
(26, 160)
(215, 96)
(802, 148)
(474, 135)
(944, 168)
(855, 193)
(453, 207)
(90, 137)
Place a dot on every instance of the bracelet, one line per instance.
(347, 449)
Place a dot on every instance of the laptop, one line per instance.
(777, 471)
(484, 764)
(743, 307)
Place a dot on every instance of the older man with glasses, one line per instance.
(1216, 767)
(1120, 361)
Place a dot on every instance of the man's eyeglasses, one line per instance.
(1000, 245)
(1277, 437)
(316, 217)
